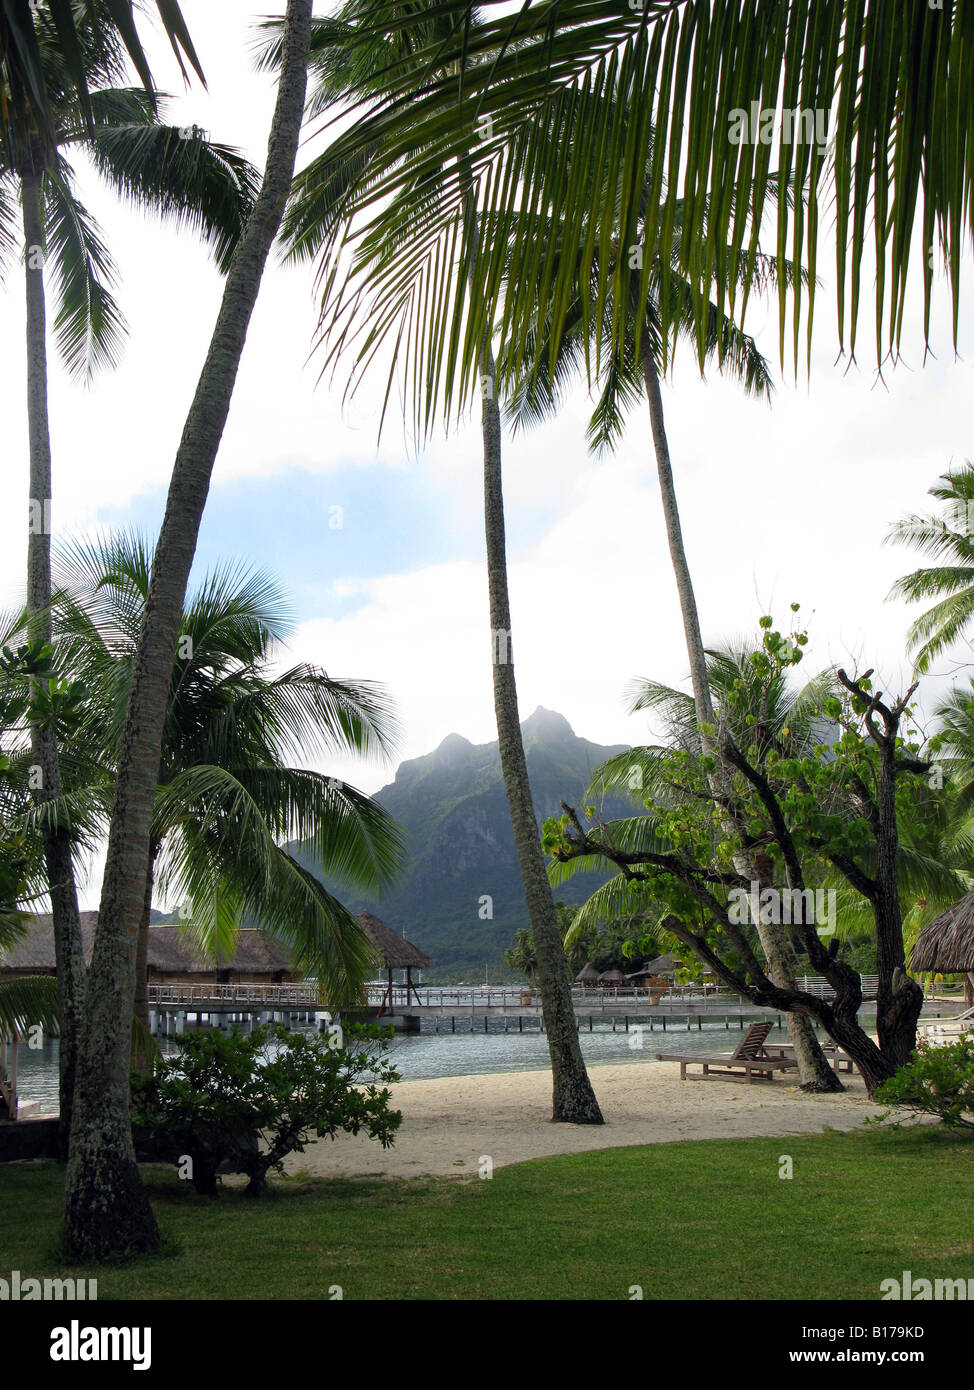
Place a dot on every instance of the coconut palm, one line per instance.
(106, 1209)
(230, 797)
(26, 24)
(948, 539)
(344, 67)
(190, 181)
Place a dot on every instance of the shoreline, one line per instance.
(452, 1124)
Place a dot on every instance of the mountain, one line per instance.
(452, 804)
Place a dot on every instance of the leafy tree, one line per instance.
(938, 1080)
(807, 806)
(947, 539)
(249, 1101)
(106, 1208)
(522, 955)
(229, 794)
(32, 694)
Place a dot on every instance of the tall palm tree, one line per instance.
(106, 1209)
(345, 67)
(230, 797)
(190, 181)
(948, 539)
(541, 377)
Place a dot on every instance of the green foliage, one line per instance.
(949, 542)
(206, 187)
(230, 801)
(249, 1101)
(624, 88)
(522, 955)
(815, 780)
(938, 1081)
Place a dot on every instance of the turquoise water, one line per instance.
(422, 1056)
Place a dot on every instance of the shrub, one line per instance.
(247, 1101)
(937, 1081)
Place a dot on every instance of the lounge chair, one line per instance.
(748, 1059)
(944, 1030)
(836, 1058)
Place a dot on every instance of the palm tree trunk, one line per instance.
(59, 865)
(814, 1071)
(573, 1097)
(106, 1209)
(143, 1052)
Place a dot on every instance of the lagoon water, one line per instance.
(422, 1056)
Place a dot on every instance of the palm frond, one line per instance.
(89, 327)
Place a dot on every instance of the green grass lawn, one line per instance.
(692, 1220)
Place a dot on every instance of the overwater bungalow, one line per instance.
(393, 952)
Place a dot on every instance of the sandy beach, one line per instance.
(450, 1122)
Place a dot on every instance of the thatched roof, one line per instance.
(395, 951)
(587, 975)
(946, 945)
(612, 977)
(255, 954)
(662, 965)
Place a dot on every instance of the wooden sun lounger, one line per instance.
(748, 1059)
(838, 1060)
(949, 1028)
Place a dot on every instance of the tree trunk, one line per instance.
(899, 999)
(574, 1100)
(143, 1052)
(814, 1072)
(59, 865)
(106, 1210)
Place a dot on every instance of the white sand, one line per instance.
(450, 1122)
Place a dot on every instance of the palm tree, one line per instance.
(664, 83)
(948, 539)
(345, 67)
(190, 181)
(229, 796)
(541, 378)
(106, 1209)
(522, 955)
(24, 24)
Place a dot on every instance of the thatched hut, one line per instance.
(393, 952)
(588, 975)
(612, 979)
(257, 958)
(946, 945)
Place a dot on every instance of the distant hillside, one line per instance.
(453, 807)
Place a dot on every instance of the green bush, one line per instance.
(937, 1081)
(247, 1101)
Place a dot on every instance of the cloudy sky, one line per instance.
(780, 503)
